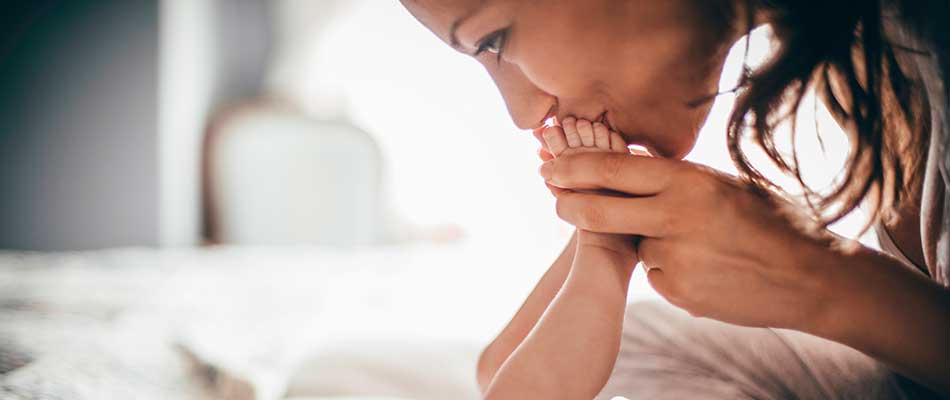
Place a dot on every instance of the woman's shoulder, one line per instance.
(930, 15)
(919, 28)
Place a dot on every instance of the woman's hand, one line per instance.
(545, 155)
(711, 245)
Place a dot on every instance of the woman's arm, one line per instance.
(573, 348)
(721, 250)
(889, 312)
(527, 316)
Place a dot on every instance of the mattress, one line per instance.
(256, 323)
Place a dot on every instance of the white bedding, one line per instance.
(255, 322)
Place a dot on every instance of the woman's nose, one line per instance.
(528, 105)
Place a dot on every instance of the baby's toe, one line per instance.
(570, 132)
(617, 143)
(554, 140)
(586, 131)
(601, 136)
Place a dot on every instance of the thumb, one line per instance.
(660, 282)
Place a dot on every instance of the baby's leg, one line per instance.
(603, 262)
(570, 353)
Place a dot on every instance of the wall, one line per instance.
(78, 115)
(213, 53)
(102, 108)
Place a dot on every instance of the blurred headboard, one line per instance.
(273, 175)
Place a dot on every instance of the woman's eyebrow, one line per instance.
(453, 30)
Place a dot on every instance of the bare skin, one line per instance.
(713, 247)
(564, 346)
(785, 278)
(655, 57)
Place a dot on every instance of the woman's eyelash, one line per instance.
(493, 43)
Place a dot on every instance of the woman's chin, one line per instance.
(645, 148)
(673, 155)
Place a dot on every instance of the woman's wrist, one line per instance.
(880, 307)
(862, 293)
(837, 298)
(852, 285)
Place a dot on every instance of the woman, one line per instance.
(792, 311)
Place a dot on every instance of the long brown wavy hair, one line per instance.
(840, 50)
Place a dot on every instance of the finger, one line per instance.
(650, 251)
(586, 131)
(545, 155)
(570, 132)
(554, 140)
(601, 136)
(643, 216)
(537, 133)
(662, 275)
(631, 174)
(662, 284)
(617, 143)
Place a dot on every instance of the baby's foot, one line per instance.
(582, 136)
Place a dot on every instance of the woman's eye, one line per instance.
(493, 43)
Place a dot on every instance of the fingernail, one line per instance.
(546, 170)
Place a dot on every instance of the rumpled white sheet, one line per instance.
(243, 323)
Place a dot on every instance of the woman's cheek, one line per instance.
(673, 132)
(549, 56)
(561, 78)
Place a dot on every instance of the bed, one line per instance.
(256, 323)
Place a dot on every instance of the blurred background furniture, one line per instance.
(251, 323)
(275, 176)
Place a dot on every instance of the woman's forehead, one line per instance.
(440, 15)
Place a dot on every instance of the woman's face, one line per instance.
(636, 64)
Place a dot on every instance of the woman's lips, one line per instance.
(605, 119)
(639, 145)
